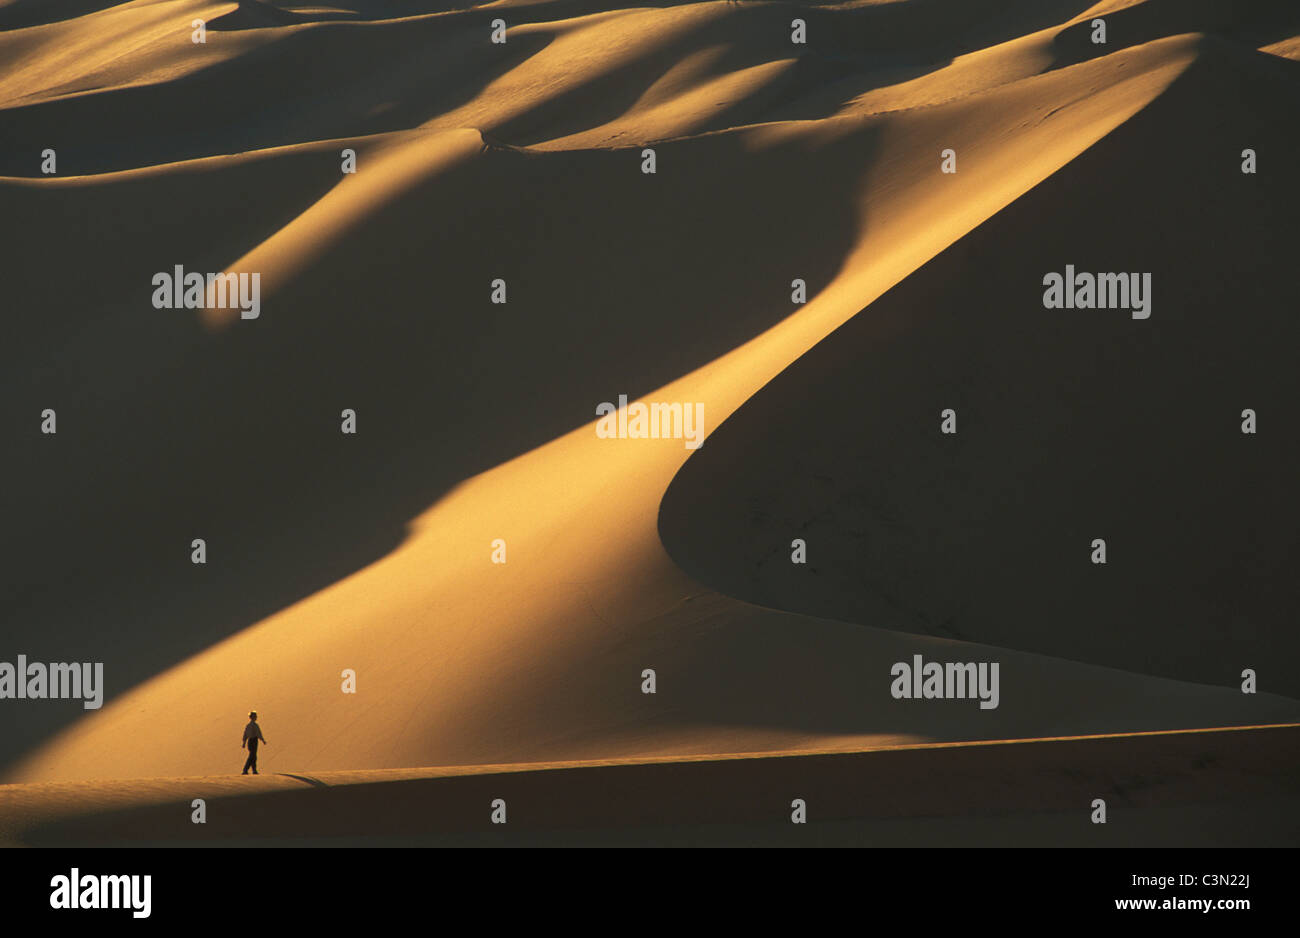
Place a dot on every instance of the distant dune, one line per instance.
(522, 162)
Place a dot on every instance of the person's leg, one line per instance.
(252, 759)
(252, 754)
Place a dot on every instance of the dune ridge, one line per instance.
(1134, 419)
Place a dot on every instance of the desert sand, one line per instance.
(522, 161)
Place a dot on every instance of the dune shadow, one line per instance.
(314, 782)
(1070, 425)
(1248, 22)
(258, 14)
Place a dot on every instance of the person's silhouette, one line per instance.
(252, 736)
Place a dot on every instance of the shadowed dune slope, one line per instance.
(1071, 424)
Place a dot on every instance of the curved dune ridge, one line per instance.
(522, 161)
(1072, 426)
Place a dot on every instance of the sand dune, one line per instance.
(1182, 789)
(1138, 421)
(522, 161)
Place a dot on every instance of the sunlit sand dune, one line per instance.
(372, 554)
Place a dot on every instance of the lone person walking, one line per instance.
(252, 736)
